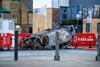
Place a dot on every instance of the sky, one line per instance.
(49, 3)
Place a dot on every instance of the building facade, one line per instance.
(20, 11)
(28, 21)
(86, 6)
(52, 16)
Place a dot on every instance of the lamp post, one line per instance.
(16, 46)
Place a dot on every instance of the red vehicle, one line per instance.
(84, 39)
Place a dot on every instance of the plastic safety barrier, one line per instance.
(6, 39)
(84, 39)
(1, 40)
(21, 37)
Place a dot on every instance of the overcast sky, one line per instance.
(49, 3)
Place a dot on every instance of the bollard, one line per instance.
(16, 46)
(98, 48)
(57, 57)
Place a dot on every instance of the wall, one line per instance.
(86, 3)
(42, 22)
(50, 3)
(55, 16)
(38, 23)
(24, 15)
(94, 25)
(28, 4)
(6, 4)
(49, 18)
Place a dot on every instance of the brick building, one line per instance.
(20, 11)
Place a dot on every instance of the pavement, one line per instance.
(45, 58)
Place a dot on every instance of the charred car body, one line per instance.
(46, 39)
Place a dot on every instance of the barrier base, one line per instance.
(88, 48)
(57, 58)
(97, 58)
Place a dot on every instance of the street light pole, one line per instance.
(16, 46)
(16, 42)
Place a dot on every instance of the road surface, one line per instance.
(45, 58)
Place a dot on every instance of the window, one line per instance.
(0, 25)
(97, 11)
(11, 26)
(0, 3)
(87, 27)
(0, 15)
(64, 14)
(98, 27)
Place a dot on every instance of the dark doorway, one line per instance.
(30, 29)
